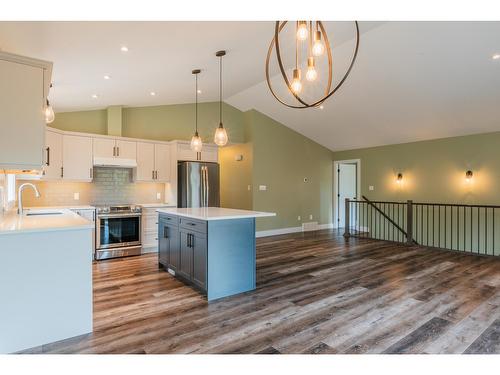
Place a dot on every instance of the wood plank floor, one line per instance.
(316, 293)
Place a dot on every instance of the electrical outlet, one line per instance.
(299, 218)
(262, 187)
(310, 217)
(249, 187)
(371, 188)
(76, 196)
(158, 196)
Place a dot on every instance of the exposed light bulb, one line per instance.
(311, 73)
(220, 138)
(318, 46)
(196, 143)
(296, 84)
(49, 113)
(302, 32)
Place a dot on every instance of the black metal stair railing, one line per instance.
(460, 227)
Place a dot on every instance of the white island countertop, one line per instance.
(12, 223)
(214, 213)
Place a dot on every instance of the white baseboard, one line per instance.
(276, 232)
(147, 250)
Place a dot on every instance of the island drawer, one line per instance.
(192, 224)
(170, 219)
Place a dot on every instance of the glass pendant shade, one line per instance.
(311, 73)
(318, 47)
(302, 32)
(49, 113)
(220, 138)
(296, 84)
(196, 143)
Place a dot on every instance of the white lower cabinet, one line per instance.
(150, 229)
(90, 215)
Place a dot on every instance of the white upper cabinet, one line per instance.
(145, 161)
(24, 88)
(104, 148)
(153, 162)
(53, 163)
(77, 158)
(208, 153)
(162, 162)
(126, 149)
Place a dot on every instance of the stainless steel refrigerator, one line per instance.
(197, 184)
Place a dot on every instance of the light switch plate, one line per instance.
(158, 195)
(299, 218)
(76, 196)
(262, 187)
(249, 187)
(371, 188)
(310, 217)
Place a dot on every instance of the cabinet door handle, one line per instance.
(156, 175)
(152, 175)
(62, 172)
(114, 151)
(192, 241)
(117, 151)
(48, 156)
(165, 232)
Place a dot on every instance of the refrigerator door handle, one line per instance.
(207, 186)
(202, 178)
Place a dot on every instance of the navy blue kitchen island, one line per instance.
(209, 248)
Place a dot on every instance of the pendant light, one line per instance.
(196, 142)
(49, 112)
(220, 137)
(318, 49)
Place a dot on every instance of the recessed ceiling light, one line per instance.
(107, 77)
(496, 56)
(94, 96)
(124, 49)
(199, 91)
(152, 93)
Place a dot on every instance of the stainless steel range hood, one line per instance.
(115, 162)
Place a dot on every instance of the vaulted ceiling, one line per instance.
(411, 81)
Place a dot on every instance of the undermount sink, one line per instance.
(40, 213)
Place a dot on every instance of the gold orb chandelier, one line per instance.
(314, 34)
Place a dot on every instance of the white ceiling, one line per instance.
(412, 80)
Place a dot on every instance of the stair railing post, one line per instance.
(347, 219)
(409, 222)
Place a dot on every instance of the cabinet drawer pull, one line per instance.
(165, 232)
(48, 156)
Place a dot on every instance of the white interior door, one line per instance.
(347, 188)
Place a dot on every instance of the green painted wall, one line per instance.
(433, 171)
(95, 122)
(236, 176)
(168, 122)
(282, 159)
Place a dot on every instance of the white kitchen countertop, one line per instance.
(154, 205)
(214, 213)
(12, 223)
(71, 207)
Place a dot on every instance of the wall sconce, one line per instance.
(399, 179)
(468, 176)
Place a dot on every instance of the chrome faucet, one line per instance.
(20, 196)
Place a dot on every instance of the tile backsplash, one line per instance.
(110, 186)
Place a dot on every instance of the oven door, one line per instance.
(118, 231)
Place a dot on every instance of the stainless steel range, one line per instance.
(118, 231)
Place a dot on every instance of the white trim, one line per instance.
(276, 232)
(335, 183)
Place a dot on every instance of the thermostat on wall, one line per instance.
(238, 157)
